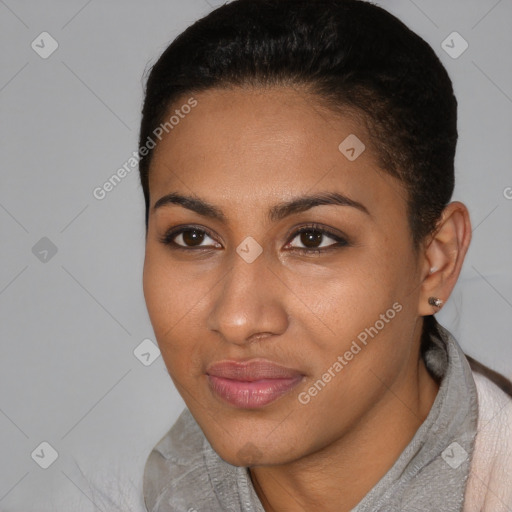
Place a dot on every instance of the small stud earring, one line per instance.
(433, 269)
(434, 301)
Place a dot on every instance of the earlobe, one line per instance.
(443, 257)
(435, 302)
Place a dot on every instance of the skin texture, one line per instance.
(243, 151)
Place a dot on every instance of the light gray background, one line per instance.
(69, 325)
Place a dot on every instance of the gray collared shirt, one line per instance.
(184, 474)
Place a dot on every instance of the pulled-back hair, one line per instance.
(351, 54)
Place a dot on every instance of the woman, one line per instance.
(296, 159)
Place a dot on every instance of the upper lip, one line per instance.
(252, 370)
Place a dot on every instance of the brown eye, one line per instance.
(192, 237)
(311, 238)
(315, 239)
(188, 237)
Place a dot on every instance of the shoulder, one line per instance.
(182, 443)
(175, 476)
(489, 487)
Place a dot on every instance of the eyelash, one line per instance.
(167, 239)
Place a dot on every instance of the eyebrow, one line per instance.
(275, 213)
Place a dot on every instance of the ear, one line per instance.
(444, 255)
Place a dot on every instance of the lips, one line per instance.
(251, 384)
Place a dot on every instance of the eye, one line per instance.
(313, 239)
(188, 237)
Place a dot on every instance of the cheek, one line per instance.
(156, 288)
(365, 311)
(365, 285)
(164, 295)
(173, 300)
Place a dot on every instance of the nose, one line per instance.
(249, 305)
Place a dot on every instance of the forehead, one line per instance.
(231, 123)
(245, 146)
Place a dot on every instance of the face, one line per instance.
(279, 277)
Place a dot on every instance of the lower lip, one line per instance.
(251, 395)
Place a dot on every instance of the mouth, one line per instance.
(251, 384)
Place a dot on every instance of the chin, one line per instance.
(251, 452)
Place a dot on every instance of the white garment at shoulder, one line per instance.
(489, 487)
